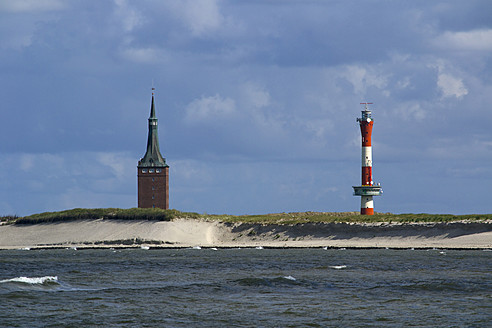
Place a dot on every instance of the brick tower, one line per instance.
(153, 172)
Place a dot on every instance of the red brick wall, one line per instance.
(153, 188)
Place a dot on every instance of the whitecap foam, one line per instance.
(197, 247)
(259, 247)
(290, 278)
(145, 247)
(32, 280)
(338, 267)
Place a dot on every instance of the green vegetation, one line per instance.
(8, 218)
(347, 217)
(157, 214)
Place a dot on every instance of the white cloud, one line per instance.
(30, 162)
(85, 168)
(447, 81)
(361, 78)
(210, 108)
(320, 128)
(451, 86)
(413, 111)
(55, 181)
(19, 6)
(200, 16)
(187, 171)
(23, 18)
(476, 40)
(144, 55)
(128, 16)
(403, 83)
(256, 95)
(476, 148)
(26, 162)
(119, 163)
(258, 107)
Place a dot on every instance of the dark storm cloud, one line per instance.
(264, 87)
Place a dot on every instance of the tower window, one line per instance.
(158, 170)
(144, 170)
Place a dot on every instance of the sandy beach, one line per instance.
(193, 233)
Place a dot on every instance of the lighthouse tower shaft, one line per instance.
(367, 189)
(366, 124)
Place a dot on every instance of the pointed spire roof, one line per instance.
(152, 107)
(152, 157)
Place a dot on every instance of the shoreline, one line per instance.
(189, 233)
(116, 247)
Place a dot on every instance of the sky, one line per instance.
(257, 103)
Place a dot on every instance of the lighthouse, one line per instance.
(367, 190)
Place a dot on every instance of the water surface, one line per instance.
(245, 288)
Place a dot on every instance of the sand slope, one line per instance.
(189, 233)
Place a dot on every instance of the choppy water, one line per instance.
(245, 288)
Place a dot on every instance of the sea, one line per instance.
(248, 287)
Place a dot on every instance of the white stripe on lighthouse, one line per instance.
(366, 202)
(367, 156)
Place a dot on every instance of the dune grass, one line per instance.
(349, 217)
(156, 214)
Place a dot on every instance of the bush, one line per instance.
(154, 214)
(157, 214)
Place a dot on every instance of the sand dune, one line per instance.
(190, 233)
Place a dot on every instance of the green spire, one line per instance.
(152, 108)
(152, 157)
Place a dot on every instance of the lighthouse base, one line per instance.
(366, 205)
(367, 211)
(366, 202)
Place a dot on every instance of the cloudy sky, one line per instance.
(256, 100)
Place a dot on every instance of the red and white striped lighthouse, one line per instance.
(367, 190)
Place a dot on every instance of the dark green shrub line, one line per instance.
(8, 218)
(156, 214)
(148, 214)
(350, 217)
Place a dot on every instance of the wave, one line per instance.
(33, 280)
(268, 282)
(338, 267)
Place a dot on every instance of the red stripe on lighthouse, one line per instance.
(366, 132)
(367, 176)
(367, 211)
